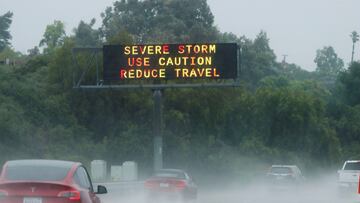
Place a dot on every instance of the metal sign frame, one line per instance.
(156, 88)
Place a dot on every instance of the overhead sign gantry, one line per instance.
(162, 66)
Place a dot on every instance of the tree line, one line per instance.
(281, 114)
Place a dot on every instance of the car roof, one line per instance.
(42, 162)
(285, 166)
(352, 161)
(170, 170)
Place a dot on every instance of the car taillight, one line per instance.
(73, 195)
(359, 186)
(180, 184)
(3, 193)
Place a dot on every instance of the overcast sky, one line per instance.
(296, 28)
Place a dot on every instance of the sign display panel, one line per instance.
(170, 61)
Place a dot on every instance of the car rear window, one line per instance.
(352, 166)
(36, 173)
(170, 174)
(281, 170)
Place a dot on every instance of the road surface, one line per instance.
(320, 192)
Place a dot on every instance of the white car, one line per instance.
(348, 181)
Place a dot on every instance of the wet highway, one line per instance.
(324, 191)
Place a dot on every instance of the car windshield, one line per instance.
(352, 166)
(36, 173)
(170, 174)
(281, 170)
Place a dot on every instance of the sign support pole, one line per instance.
(158, 139)
(157, 94)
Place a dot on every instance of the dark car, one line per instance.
(284, 176)
(47, 181)
(171, 184)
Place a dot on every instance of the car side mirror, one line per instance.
(101, 190)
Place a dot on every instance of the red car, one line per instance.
(46, 181)
(171, 184)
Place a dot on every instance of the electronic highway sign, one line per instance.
(170, 61)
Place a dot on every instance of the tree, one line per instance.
(258, 59)
(159, 21)
(10, 53)
(228, 37)
(53, 37)
(328, 62)
(351, 81)
(354, 37)
(34, 51)
(5, 36)
(86, 36)
(292, 119)
(295, 72)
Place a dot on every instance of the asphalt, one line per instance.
(324, 191)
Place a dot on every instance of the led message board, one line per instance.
(170, 61)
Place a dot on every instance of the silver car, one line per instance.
(284, 176)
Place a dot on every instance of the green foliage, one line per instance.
(328, 62)
(228, 38)
(282, 114)
(354, 36)
(9, 53)
(53, 37)
(350, 79)
(35, 124)
(295, 121)
(258, 59)
(347, 124)
(165, 21)
(295, 72)
(5, 36)
(122, 37)
(86, 36)
(34, 51)
(62, 67)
